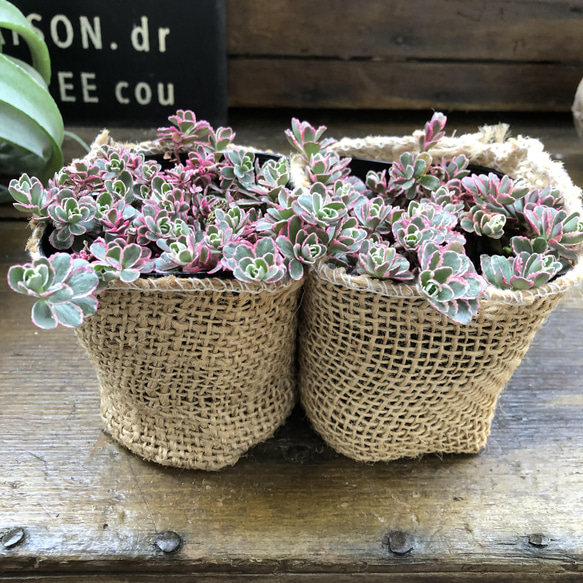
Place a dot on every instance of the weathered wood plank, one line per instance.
(292, 505)
(499, 30)
(364, 577)
(401, 85)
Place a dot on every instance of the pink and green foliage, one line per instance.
(381, 260)
(520, 272)
(212, 209)
(433, 131)
(120, 260)
(434, 224)
(300, 247)
(306, 139)
(63, 287)
(448, 279)
(71, 216)
(261, 262)
(186, 133)
(30, 196)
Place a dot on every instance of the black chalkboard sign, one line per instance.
(131, 63)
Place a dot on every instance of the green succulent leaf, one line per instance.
(42, 315)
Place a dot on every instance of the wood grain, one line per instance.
(507, 55)
(292, 510)
(401, 85)
(460, 30)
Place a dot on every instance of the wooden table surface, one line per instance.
(75, 506)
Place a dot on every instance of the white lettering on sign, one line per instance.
(66, 41)
(119, 89)
(67, 88)
(162, 34)
(89, 32)
(62, 33)
(143, 93)
(86, 88)
(166, 100)
(140, 36)
(63, 76)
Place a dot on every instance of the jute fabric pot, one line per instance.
(193, 372)
(382, 374)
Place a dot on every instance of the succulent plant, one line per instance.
(63, 287)
(253, 263)
(71, 217)
(409, 176)
(30, 196)
(118, 260)
(433, 131)
(448, 279)
(210, 209)
(434, 223)
(300, 247)
(380, 260)
(317, 207)
(521, 272)
(306, 139)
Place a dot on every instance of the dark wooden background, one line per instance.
(505, 55)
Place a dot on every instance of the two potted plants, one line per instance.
(427, 279)
(436, 280)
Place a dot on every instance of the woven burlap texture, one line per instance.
(385, 376)
(192, 371)
(193, 379)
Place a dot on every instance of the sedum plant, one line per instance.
(432, 223)
(208, 208)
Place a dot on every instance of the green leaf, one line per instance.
(129, 275)
(130, 255)
(13, 19)
(61, 263)
(83, 282)
(296, 269)
(285, 246)
(88, 305)
(42, 316)
(68, 314)
(265, 246)
(61, 295)
(30, 118)
(15, 276)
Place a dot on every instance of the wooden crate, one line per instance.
(510, 55)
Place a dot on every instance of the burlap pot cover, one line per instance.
(193, 372)
(385, 376)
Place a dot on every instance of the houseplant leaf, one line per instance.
(12, 19)
(31, 120)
